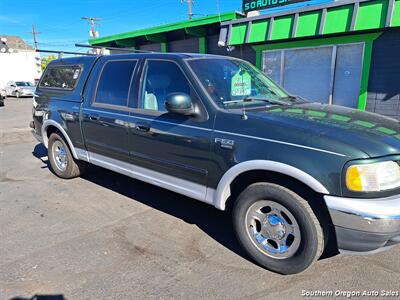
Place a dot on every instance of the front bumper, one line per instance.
(364, 225)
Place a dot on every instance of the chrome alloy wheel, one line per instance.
(273, 229)
(60, 155)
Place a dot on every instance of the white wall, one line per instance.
(19, 66)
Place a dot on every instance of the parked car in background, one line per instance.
(2, 96)
(20, 89)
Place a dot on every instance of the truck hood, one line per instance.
(330, 126)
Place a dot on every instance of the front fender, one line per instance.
(223, 190)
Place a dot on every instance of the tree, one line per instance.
(46, 60)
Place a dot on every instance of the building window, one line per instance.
(327, 74)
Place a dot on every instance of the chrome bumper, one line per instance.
(365, 224)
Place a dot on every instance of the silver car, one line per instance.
(20, 89)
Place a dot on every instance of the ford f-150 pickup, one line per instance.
(292, 173)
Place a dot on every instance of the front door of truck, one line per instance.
(175, 146)
(105, 116)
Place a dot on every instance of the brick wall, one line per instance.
(384, 81)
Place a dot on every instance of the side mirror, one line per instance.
(179, 103)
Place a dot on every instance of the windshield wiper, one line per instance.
(250, 99)
(294, 98)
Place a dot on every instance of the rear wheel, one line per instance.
(61, 160)
(277, 228)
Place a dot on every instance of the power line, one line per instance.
(92, 22)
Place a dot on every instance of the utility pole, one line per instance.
(92, 22)
(34, 33)
(190, 7)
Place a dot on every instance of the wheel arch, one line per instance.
(51, 124)
(223, 191)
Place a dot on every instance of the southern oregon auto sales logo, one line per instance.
(250, 5)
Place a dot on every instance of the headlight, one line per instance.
(373, 177)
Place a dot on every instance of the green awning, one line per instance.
(338, 17)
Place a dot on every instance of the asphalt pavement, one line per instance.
(107, 236)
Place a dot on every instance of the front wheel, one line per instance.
(17, 94)
(61, 160)
(277, 228)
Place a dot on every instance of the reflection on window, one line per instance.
(60, 77)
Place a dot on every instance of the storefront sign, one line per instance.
(250, 5)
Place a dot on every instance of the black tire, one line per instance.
(17, 94)
(74, 168)
(311, 241)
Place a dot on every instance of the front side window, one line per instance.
(114, 83)
(64, 77)
(230, 82)
(161, 79)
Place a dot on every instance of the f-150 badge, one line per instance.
(224, 143)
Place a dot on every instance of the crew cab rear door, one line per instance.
(105, 113)
(175, 146)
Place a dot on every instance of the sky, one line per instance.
(60, 24)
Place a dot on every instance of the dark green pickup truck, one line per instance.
(293, 173)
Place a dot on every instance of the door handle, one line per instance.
(142, 127)
(94, 117)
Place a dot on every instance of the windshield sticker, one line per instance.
(241, 84)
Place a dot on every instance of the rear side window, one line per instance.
(64, 77)
(114, 83)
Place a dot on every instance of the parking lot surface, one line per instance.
(106, 236)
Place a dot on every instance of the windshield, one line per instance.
(230, 82)
(23, 83)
